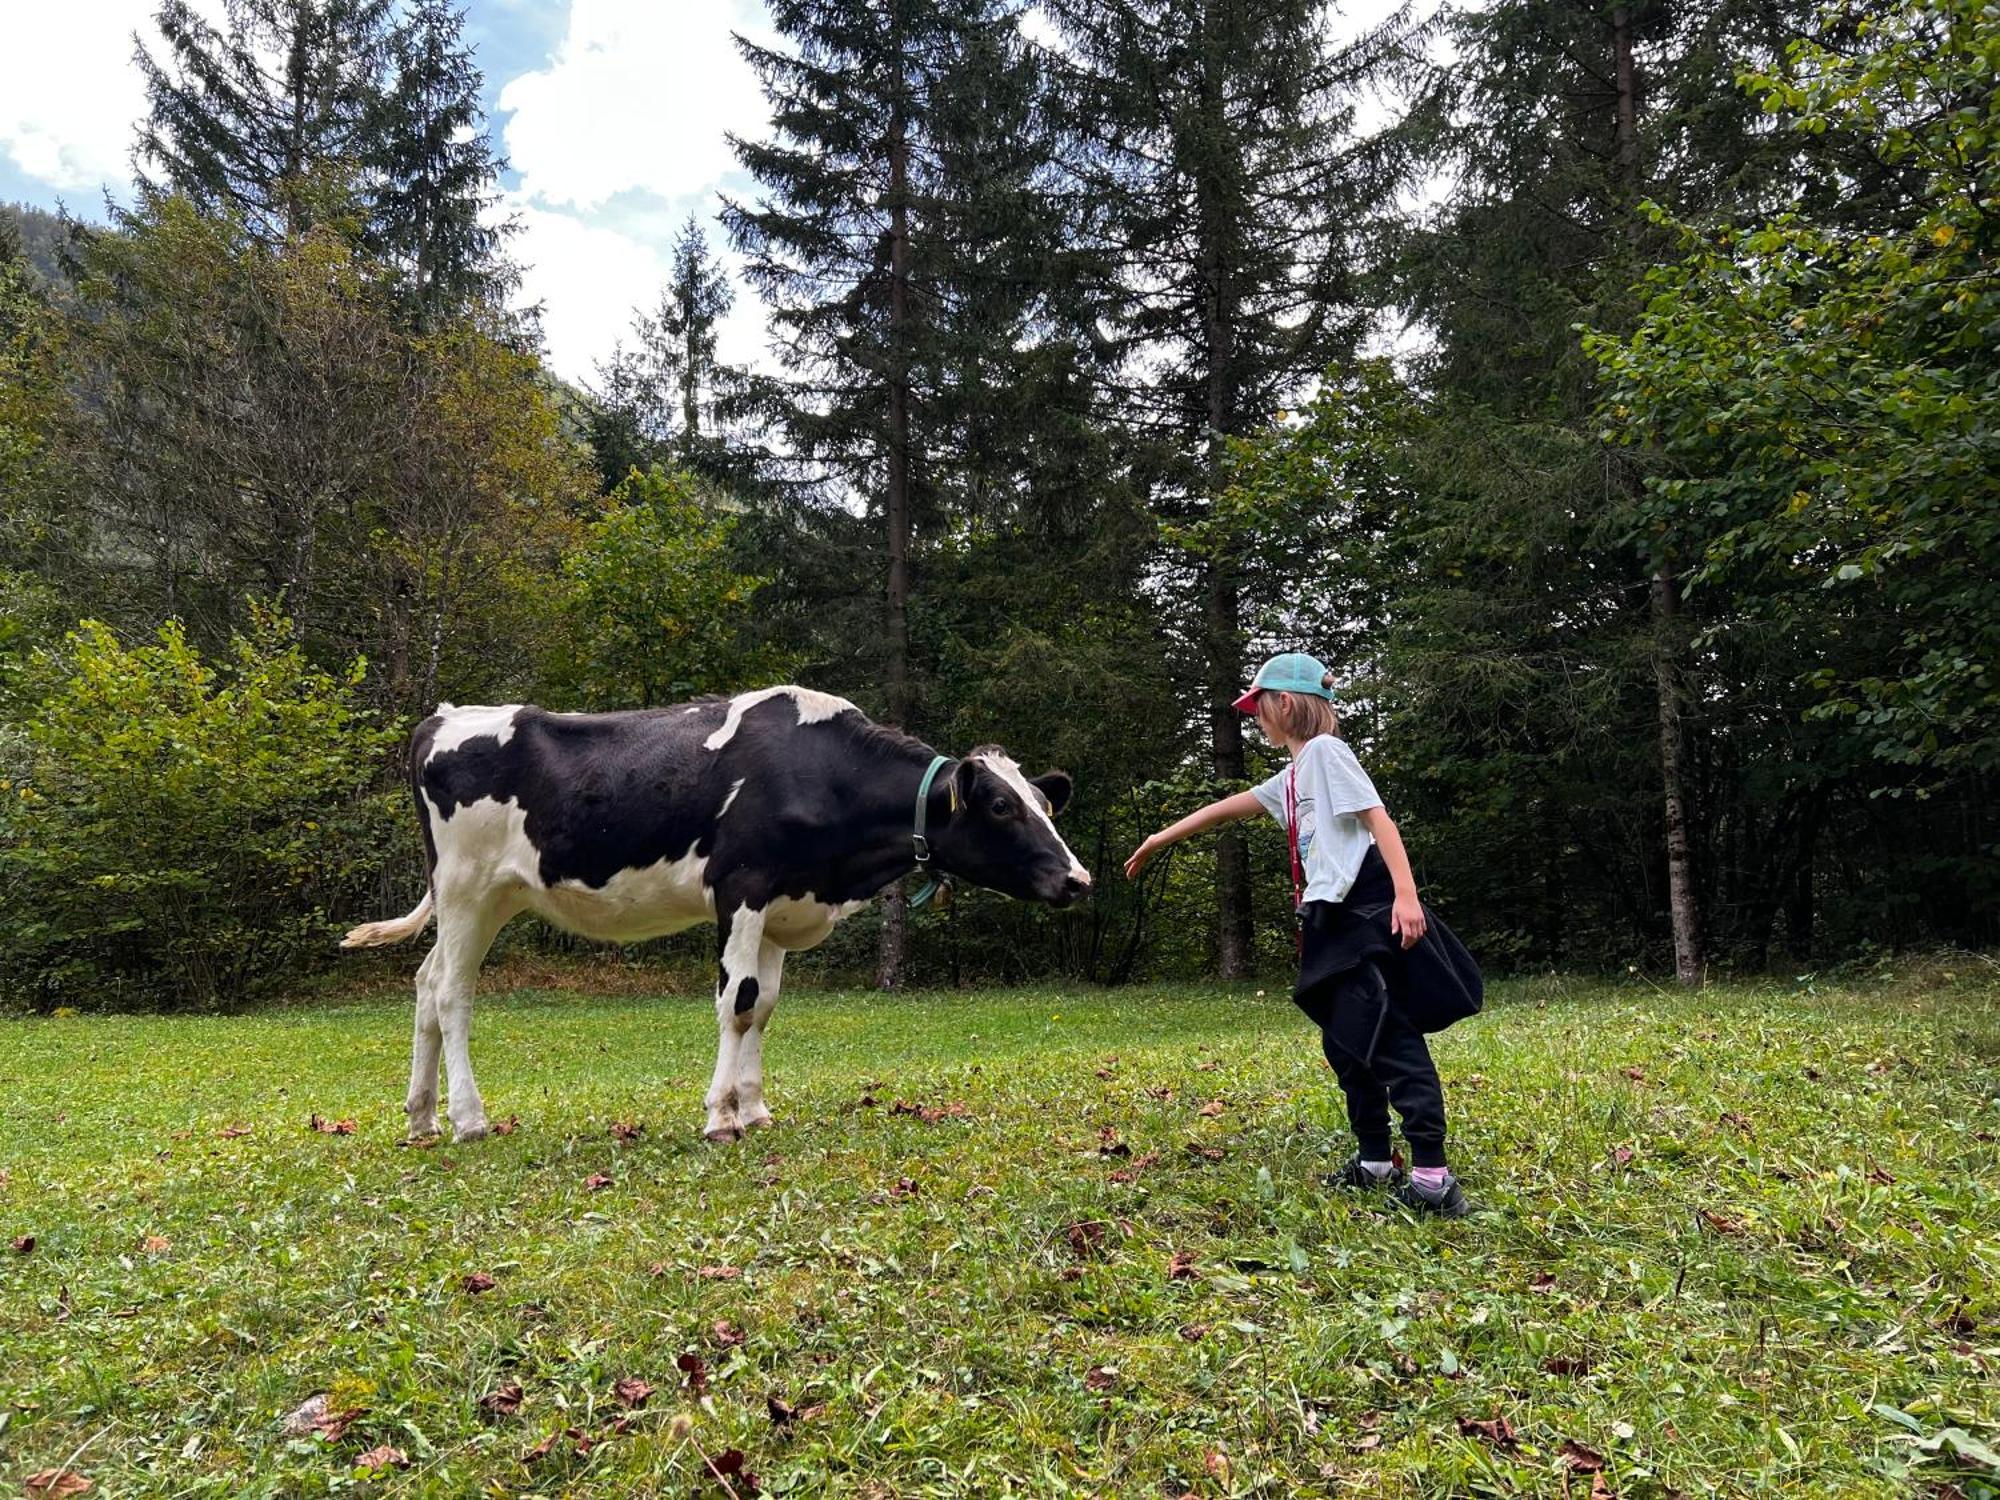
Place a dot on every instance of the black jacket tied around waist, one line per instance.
(1351, 966)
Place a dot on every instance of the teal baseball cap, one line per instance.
(1291, 672)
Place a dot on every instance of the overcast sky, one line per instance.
(612, 115)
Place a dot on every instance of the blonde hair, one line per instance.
(1298, 716)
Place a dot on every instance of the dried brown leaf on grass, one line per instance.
(784, 1415)
(1086, 1237)
(1577, 1457)
(1496, 1430)
(502, 1402)
(695, 1368)
(56, 1484)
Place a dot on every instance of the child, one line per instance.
(1376, 970)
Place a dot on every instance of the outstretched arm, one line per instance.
(1407, 919)
(1228, 810)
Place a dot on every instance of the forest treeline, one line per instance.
(1606, 390)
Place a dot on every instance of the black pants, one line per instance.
(1392, 1066)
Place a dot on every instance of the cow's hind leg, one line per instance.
(466, 929)
(751, 1112)
(426, 1048)
(736, 997)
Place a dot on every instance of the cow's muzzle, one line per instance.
(1069, 889)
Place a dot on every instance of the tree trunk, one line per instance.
(1682, 900)
(1628, 102)
(1235, 948)
(297, 68)
(688, 292)
(890, 946)
(896, 505)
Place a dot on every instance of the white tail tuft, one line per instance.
(380, 934)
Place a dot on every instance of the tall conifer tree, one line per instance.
(296, 110)
(434, 168)
(1213, 157)
(1561, 118)
(913, 266)
(257, 116)
(668, 398)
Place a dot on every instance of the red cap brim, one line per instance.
(1247, 704)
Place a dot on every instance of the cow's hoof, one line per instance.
(724, 1135)
(475, 1130)
(423, 1130)
(760, 1121)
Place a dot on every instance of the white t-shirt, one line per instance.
(1332, 788)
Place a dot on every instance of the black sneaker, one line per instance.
(1353, 1175)
(1449, 1204)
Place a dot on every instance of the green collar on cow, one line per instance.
(919, 841)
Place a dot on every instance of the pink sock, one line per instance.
(1430, 1179)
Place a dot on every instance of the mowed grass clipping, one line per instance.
(1033, 1242)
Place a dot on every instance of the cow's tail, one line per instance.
(402, 929)
(398, 930)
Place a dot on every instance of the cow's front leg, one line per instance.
(751, 1113)
(736, 992)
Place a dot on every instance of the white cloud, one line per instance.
(69, 91)
(638, 95)
(616, 141)
(588, 279)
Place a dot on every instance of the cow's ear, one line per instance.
(963, 775)
(1056, 786)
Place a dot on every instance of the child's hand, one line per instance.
(1407, 920)
(1153, 845)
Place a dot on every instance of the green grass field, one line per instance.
(1740, 1243)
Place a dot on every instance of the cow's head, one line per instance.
(1002, 832)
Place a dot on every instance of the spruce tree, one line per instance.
(433, 169)
(1212, 157)
(913, 265)
(668, 399)
(297, 112)
(270, 117)
(1561, 118)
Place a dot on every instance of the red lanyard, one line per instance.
(1292, 836)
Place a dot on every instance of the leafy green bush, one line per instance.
(656, 610)
(175, 833)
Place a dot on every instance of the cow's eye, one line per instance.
(1003, 807)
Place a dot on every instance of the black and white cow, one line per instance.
(774, 813)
